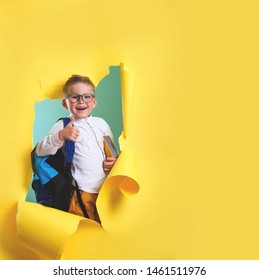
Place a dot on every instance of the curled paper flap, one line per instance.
(45, 230)
(115, 195)
(125, 171)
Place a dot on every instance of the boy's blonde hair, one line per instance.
(77, 79)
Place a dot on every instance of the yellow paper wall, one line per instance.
(192, 129)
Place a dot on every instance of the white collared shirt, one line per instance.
(87, 165)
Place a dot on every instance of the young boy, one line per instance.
(90, 164)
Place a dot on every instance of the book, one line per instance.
(109, 147)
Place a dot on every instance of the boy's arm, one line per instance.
(51, 142)
(55, 139)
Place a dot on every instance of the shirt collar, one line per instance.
(83, 119)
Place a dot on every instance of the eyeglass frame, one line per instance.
(80, 96)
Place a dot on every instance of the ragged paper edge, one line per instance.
(123, 180)
(128, 81)
(46, 230)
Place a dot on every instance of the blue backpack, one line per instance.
(52, 178)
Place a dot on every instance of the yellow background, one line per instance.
(194, 118)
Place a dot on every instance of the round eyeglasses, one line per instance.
(87, 98)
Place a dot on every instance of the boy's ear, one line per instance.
(94, 103)
(64, 103)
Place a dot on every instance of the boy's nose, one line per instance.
(80, 99)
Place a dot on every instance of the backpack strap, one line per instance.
(69, 145)
(69, 153)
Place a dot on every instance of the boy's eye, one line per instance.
(87, 97)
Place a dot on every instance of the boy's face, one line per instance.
(78, 107)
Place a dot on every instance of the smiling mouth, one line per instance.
(81, 108)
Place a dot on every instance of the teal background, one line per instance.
(109, 107)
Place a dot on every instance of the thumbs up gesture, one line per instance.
(69, 132)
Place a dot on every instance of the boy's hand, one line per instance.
(69, 132)
(108, 164)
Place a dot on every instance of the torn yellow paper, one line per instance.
(48, 236)
(193, 127)
(126, 169)
(45, 230)
(117, 190)
(128, 95)
(86, 235)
